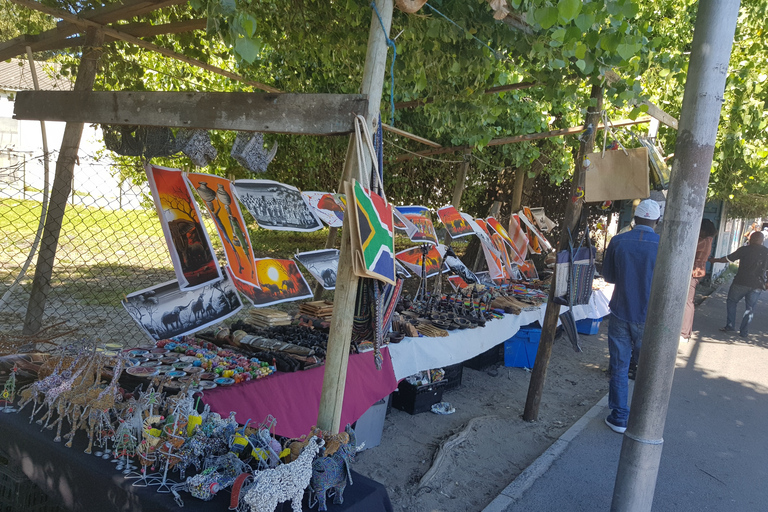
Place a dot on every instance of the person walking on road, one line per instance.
(750, 280)
(628, 263)
(703, 250)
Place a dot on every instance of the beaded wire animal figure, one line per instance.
(283, 483)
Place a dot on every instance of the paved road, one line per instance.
(715, 455)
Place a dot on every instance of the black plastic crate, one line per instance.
(453, 374)
(415, 400)
(486, 359)
(18, 493)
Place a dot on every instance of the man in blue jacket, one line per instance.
(628, 263)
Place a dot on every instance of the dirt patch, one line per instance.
(498, 445)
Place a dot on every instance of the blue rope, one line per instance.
(392, 67)
(494, 52)
(380, 149)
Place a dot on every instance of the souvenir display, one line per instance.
(165, 310)
(280, 281)
(529, 270)
(454, 223)
(190, 248)
(534, 236)
(328, 207)
(424, 261)
(457, 282)
(517, 236)
(403, 224)
(458, 267)
(518, 254)
(425, 231)
(322, 264)
(276, 205)
(223, 208)
(372, 234)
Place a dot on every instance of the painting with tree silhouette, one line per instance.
(328, 207)
(412, 260)
(276, 206)
(190, 248)
(454, 223)
(280, 281)
(221, 203)
(165, 310)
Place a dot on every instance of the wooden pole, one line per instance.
(458, 189)
(337, 357)
(62, 185)
(572, 215)
(517, 191)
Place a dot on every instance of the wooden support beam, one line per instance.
(611, 77)
(58, 38)
(522, 138)
(492, 90)
(117, 34)
(309, 114)
(411, 136)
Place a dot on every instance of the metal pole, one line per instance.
(339, 338)
(704, 88)
(572, 215)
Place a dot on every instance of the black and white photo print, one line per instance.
(322, 264)
(276, 206)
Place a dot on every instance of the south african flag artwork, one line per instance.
(373, 239)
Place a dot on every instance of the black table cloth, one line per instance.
(87, 483)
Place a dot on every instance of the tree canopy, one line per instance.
(453, 57)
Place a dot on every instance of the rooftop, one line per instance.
(15, 75)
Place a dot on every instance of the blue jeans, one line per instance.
(623, 338)
(750, 295)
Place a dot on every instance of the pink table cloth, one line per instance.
(294, 398)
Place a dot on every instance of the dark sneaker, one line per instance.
(727, 329)
(616, 428)
(632, 372)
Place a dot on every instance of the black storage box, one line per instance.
(453, 374)
(415, 400)
(486, 359)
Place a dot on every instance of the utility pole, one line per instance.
(700, 115)
(571, 220)
(340, 336)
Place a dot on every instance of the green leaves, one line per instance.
(546, 16)
(568, 9)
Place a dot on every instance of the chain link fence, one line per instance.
(109, 246)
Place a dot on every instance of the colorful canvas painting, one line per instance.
(457, 266)
(402, 223)
(454, 223)
(276, 206)
(191, 252)
(322, 264)
(495, 262)
(529, 270)
(412, 260)
(519, 240)
(500, 243)
(373, 236)
(328, 207)
(413, 210)
(499, 229)
(165, 310)
(535, 238)
(481, 233)
(279, 280)
(220, 201)
(457, 282)
(425, 230)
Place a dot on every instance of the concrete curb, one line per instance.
(514, 491)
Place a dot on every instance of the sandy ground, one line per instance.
(499, 444)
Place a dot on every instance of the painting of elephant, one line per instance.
(333, 472)
(171, 319)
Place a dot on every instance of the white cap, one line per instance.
(648, 209)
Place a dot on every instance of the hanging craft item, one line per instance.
(196, 144)
(191, 252)
(454, 223)
(374, 306)
(248, 150)
(414, 261)
(276, 205)
(328, 207)
(144, 141)
(616, 175)
(322, 264)
(425, 231)
(575, 270)
(279, 281)
(165, 310)
(216, 193)
(659, 169)
(544, 223)
(518, 254)
(372, 235)
(533, 233)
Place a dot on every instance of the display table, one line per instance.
(86, 483)
(413, 355)
(294, 398)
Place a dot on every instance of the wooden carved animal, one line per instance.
(333, 472)
(283, 483)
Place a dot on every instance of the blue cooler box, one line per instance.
(520, 350)
(588, 325)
